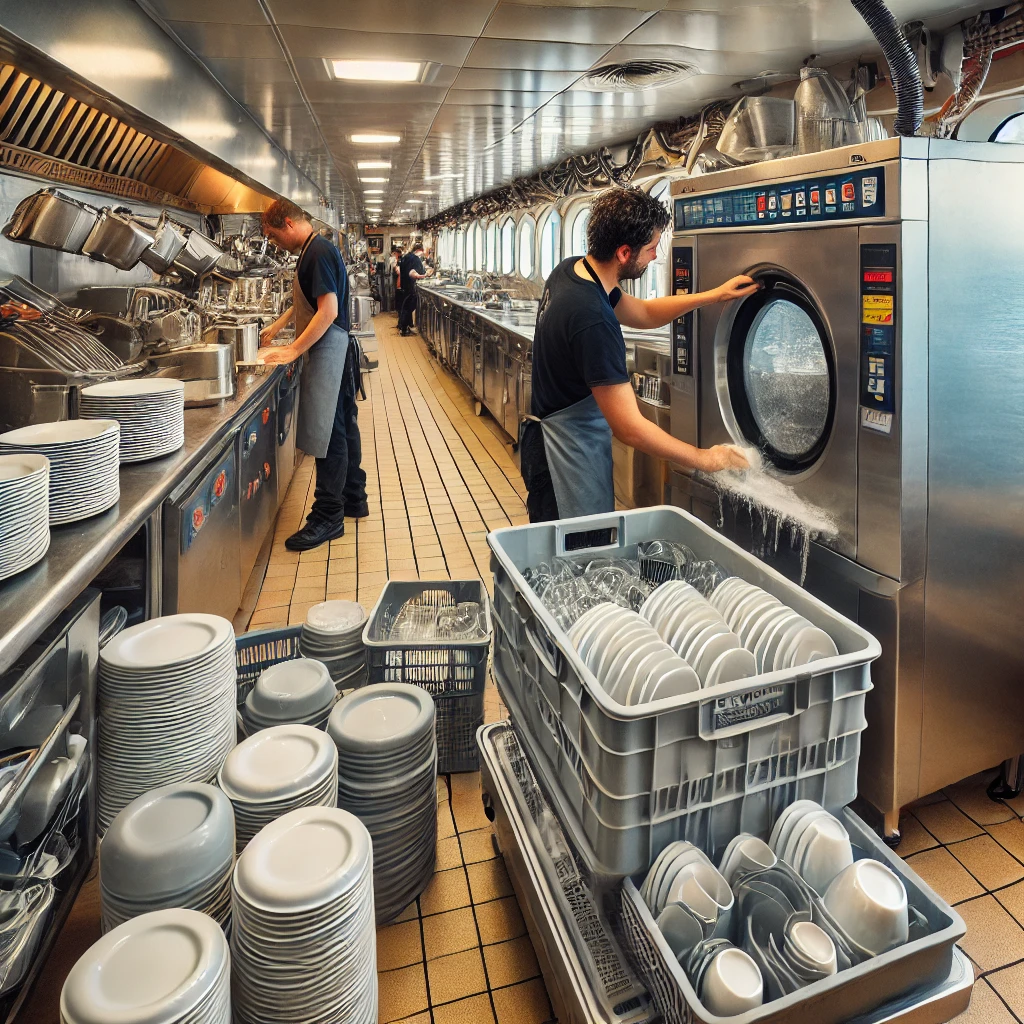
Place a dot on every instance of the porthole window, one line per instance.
(508, 246)
(550, 243)
(578, 237)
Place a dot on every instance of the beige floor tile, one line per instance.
(511, 962)
(488, 880)
(971, 797)
(946, 822)
(988, 862)
(445, 822)
(411, 913)
(449, 855)
(986, 1008)
(456, 976)
(447, 890)
(1009, 983)
(945, 874)
(499, 920)
(522, 1004)
(1009, 835)
(269, 617)
(419, 1018)
(450, 932)
(1012, 898)
(309, 595)
(914, 837)
(399, 945)
(477, 846)
(273, 599)
(402, 993)
(1016, 805)
(994, 939)
(474, 1010)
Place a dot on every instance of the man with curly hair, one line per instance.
(582, 395)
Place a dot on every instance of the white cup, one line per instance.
(813, 946)
(746, 853)
(869, 902)
(826, 852)
(732, 984)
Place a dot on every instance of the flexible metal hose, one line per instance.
(906, 75)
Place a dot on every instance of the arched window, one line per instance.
(479, 254)
(550, 243)
(578, 235)
(492, 247)
(653, 282)
(1011, 130)
(460, 249)
(508, 246)
(527, 244)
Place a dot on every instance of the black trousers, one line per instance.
(408, 308)
(533, 464)
(340, 478)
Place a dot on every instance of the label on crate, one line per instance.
(750, 706)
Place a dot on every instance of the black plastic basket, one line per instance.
(453, 673)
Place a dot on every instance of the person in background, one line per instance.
(412, 270)
(328, 427)
(394, 271)
(582, 395)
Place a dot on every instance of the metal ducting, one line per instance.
(50, 134)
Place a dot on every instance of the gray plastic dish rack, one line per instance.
(704, 766)
(453, 673)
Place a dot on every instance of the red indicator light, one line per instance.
(878, 277)
(762, 203)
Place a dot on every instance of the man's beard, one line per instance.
(631, 269)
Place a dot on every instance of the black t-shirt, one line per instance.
(321, 270)
(410, 261)
(578, 342)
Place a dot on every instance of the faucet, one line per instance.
(478, 278)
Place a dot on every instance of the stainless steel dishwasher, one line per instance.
(287, 417)
(201, 538)
(257, 480)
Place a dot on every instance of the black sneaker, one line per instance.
(360, 511)
(313, 534)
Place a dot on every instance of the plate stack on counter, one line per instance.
(24, 512)
(165, 707)
(172, 847)
(275, 771)
(387, 767)
(84, 467)
(168, 967)
(151, 412)
(298, 691)
(303, 942)
(333, 635)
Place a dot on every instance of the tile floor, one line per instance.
(439, 478)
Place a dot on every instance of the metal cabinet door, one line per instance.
(257, 486)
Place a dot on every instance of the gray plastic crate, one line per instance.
(636, 776)
(453, 673)
(848, 994)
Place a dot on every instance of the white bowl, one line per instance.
(732, 984)
(824, 850)
(869, 901)
(292, 689)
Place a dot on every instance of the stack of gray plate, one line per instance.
(333, 634)
(151, 411)
(298, 691)
(172, 847)
(24, 511)
(387, 766)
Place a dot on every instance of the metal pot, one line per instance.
(199, 254)
(117, 239)
(758, 128)
(52, 220)
(244, 339)
(168, 242)
(208, 372)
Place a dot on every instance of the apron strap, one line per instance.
(600, 284)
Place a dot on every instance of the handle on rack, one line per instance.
(730, 714)
(613, 524)
(554, 665)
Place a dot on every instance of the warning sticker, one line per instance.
(878, 309)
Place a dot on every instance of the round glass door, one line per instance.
(782, 376)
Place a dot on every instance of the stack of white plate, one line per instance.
(24, 511)
(168, 967)
(84, 470)
(275, 771)
(298, 691)
(173, 847)
(166, 707)
(387, 766)
(304, 944)
(333, 634)
(778, 637)
(151, 412)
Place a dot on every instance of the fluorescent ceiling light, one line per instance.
(373, 191)
(424, 192)
(373, 165)
(205, 129)
(101, 62)
(417, 202)
(377, 70)
(371, 139)
(447, 175)
(373, 180)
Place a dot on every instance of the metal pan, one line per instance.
(52, 220)
(168, 242)
(117, 239)
(199, 254)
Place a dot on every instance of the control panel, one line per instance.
(682, 326)
(877, 336)
(837, 196)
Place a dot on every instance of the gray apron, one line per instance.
(320, 384)
(578, 448)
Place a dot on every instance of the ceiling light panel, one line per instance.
(376, 70)
(374, 139)
(373, 165)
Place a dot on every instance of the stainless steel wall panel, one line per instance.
(225, 39)
(448, 18)
(517, 54)
(591, 24)
(319, 41)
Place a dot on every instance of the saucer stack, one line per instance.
(304, 944)
(151, 412)
(173, 847)
(168, 967)
(165, 706)
(387, 767)
(333, 634)
(276, 771)
(24, 511)
(298, 691)
(84, 470)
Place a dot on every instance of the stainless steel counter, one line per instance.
(78, 551)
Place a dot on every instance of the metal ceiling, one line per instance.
(507, 98)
